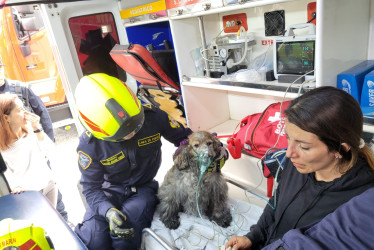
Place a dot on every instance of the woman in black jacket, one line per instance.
(328, 164)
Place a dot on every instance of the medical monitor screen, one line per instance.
(296, 57)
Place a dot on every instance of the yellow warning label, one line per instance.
(143, 9)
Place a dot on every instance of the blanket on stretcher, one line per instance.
(196, 233)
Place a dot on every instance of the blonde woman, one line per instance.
(24, 147)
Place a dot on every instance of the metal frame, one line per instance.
(162, 242)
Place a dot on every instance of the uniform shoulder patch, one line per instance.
(84, 160)
(173, 122)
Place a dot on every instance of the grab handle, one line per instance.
(311, 26)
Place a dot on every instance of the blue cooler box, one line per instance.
(367, 95)
(351, 80)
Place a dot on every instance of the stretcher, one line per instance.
(156, 86)
(199, 233)
(140, 64)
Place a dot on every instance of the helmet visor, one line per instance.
(127, 126)
(127, 123)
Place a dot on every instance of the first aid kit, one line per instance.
(259, 132)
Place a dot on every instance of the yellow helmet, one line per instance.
(107, 107)
(21, 234)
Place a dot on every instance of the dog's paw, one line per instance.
(172, 223)
(224, 220)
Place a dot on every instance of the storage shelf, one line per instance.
(144, 22)
(264, 88)
(228, 8)
(226, 128)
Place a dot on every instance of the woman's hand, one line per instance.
(238, 242)
(33, 119)
(17, 190)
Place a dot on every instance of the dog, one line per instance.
(178, 191)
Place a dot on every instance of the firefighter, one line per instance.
(119, 155)
(34, 104)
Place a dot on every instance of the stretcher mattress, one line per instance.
(196, 233)
(139, 63)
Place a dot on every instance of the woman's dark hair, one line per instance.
(335, 117)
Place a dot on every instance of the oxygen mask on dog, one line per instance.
(204, 161)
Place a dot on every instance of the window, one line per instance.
(94, 37)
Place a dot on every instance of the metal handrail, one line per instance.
(162, 242)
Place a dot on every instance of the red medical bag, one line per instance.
(260, 132)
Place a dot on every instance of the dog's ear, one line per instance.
(217, 144)
(182, 157)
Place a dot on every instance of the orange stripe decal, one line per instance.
(92, 125)
(132, 94)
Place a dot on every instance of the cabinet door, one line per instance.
(73, 28)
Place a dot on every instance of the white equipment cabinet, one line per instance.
(342, 38)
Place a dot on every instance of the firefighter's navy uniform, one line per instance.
(121, 175)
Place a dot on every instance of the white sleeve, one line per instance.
(11, 179)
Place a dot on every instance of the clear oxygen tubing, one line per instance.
(284, 97)
(215, 42)
(241, 30)
(280, 110)
(204, 162)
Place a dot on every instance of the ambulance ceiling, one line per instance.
(125, 4)
(19, 2)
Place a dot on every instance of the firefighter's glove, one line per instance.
(119, 225)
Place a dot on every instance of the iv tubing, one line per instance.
(242, 29)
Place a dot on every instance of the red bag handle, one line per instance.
(233, 144)
(244, 121)
(234, 147)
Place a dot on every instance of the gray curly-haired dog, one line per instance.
(178, 191)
